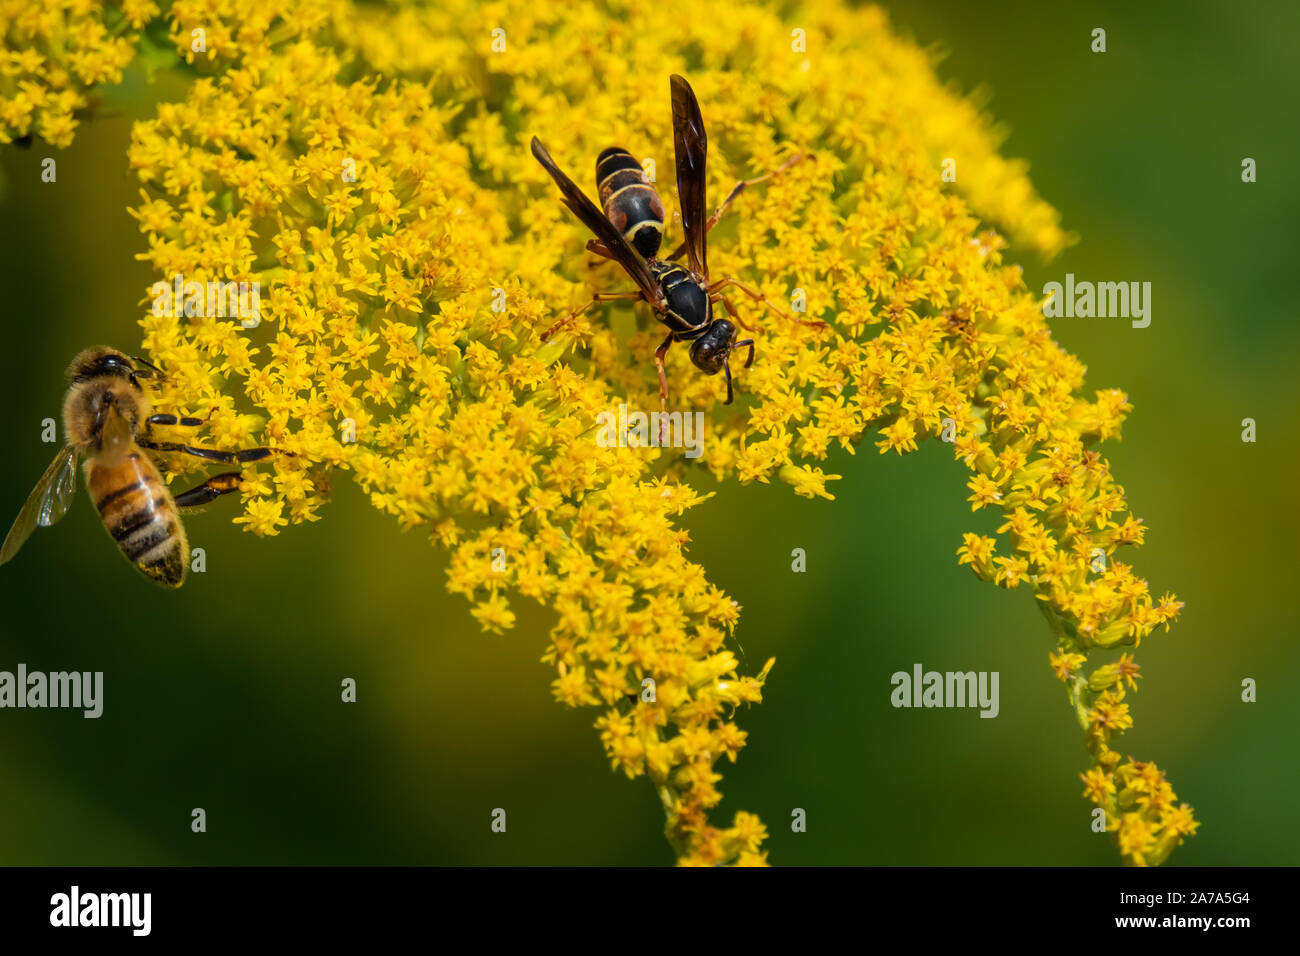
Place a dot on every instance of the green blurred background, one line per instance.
(226, 695)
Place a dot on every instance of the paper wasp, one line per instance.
(630, 230)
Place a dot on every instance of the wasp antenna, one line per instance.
(726, 368)
(750, 342)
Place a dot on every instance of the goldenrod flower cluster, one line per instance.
(53, 52)
(369, 167)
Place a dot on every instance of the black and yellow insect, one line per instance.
(630, 231)
(108, 420)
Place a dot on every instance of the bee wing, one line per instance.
(599, 224)
(48, 502)
(115, 436)
(691, 146)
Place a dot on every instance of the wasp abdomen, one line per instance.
(138, 512)
(630, 202)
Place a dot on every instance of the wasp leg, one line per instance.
(598, 297)
(663, 385)
(211, 454)
(731, 309)
(210, 490)
(740, 188)
(596, 247)
(740, 345)
(726, 364)
(758, 297)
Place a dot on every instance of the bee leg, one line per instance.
(758, 297)
(163, 419)
(210, 490)
(663, 385)
(211, 454)
(597, 298)
(719, 297)
(740, 188)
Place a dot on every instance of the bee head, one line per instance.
(102, 361)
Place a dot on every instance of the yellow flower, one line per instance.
(1098, 786)
(985, 492)
(1136, 836)
(262, 516)
(572, 688)
(1109, 715)
(1180, 821)
(1066, 666)
(808, 481)
(899, 437)
(53, 53)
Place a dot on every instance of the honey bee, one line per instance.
(108, 420)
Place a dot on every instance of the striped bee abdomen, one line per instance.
(630, 202)
(139, 513)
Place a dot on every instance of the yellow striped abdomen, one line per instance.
(629, 201)
(139, 513)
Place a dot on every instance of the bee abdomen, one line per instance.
(141, 535)
(104, 503)
(139, 514)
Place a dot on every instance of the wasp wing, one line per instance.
(601, 227)
(692, 147)
(48, 502)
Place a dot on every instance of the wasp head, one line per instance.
(711, 352)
